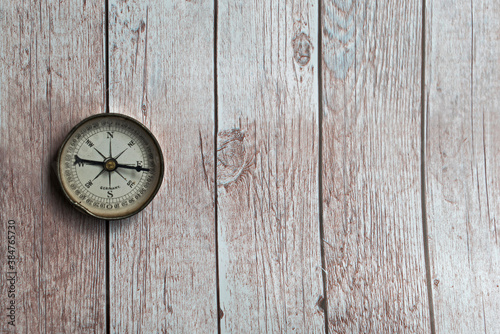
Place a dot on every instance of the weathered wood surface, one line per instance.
(162, 262)
(462, 163)
(282, 118)
(376, 278)
(267, 167)
(51, 76)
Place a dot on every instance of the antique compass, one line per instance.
(110, 166)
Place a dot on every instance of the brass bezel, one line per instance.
(146, 130)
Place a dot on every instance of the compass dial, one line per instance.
(110, 166)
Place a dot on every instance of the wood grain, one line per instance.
(462, 160)
(267, 167)
(376, 278)
(162, 265)
(51, 77)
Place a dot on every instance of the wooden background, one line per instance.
(331, 166)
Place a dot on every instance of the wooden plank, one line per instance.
(267, 167)
(376, 278)
(462, 159)
(51, 77)
(163, 267)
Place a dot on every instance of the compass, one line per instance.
(110, 166)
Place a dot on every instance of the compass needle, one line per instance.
(131, 166)
(82, 164)
(77, 161)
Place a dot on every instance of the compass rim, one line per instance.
(147, 201)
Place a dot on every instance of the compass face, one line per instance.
(110, 166)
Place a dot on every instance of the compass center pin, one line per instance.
(110, 164)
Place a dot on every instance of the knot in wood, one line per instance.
(302, 49)
(233, 158)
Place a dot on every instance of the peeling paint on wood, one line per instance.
(163, 276)
(342, 28)
(267, 167)
(376, 278)
(51, 77)
(165, 67)
(462, 163)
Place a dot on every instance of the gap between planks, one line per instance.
(425, 231)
